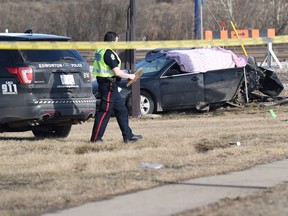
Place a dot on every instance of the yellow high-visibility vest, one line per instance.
(100, 69)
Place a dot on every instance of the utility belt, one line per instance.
(111, 81)
(108, 79)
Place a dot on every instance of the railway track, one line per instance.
(259, 52)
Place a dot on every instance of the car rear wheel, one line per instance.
(146, 103)
(52, 132)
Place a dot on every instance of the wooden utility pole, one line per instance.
(135, 86)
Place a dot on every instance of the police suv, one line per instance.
(45, 91)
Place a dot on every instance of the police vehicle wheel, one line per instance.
(52, 132)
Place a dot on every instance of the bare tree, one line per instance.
(88, 20)
(277, 15)
(165, 21)
(260, 14)
(231, 10)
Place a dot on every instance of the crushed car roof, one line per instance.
(206, 59)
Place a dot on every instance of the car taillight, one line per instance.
(24, 74)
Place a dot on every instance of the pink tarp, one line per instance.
(205, 59)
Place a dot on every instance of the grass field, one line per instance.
(38, 176)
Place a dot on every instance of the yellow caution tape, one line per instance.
(141, 44)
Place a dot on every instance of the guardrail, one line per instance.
(256, 47)
(124, 45)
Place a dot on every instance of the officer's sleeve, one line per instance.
(110, 59)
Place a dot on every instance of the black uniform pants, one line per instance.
(111, 101)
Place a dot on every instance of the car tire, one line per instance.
(52, 132)
(239, 98)
(146, 104)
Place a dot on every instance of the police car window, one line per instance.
(50, 55)
(9, 57)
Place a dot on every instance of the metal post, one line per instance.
(201, 18)
(270, 56)
(246, 86)
(135, 86)
(198, 27)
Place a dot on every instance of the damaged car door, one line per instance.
(222, 85)
(180, 89)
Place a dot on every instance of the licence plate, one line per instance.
(67, 79)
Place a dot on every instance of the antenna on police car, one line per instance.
(28, 31)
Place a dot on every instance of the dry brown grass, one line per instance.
(40, 176)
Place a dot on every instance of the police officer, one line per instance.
(106, 68)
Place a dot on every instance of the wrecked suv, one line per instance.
(43, 91)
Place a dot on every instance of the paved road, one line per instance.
(175, 198)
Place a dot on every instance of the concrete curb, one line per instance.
(175, 198)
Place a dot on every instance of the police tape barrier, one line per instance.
(140, 44)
